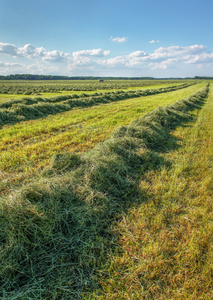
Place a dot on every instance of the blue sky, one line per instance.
(107, 38)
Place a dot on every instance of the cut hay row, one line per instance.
(13, 111)
(107, 95)
(55, 233)
(36, 87)
(165, 242)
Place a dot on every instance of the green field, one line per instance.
(105, 194)
(18, 90)
(27, 147)
(165, 244)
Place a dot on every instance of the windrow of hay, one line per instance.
(36, 87)
(13, 111)
(55, 233)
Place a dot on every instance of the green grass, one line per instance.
(29, 87)
(15, 111)
(115, 87)
(165, 244)
(28, 147)
(57, 232)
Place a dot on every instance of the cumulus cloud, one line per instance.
(10, 68)
(30, 52)
(202, 58)
(177, 51)
(80, 63)
(119, 39)
(8, 49)
(118, 60)
(169, 63)
(94, 52)
(187, 49)
(153, 41)
(138, 54)
(12, 50)
(38, 60)
(9, 65)
(162, 58)
(55, 56)
(87, 59)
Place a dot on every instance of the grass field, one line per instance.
(112, 88)
(10, 89)
(28, 147)
(127, 218)
(165, 244)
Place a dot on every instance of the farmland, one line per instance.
(27, 147)
(85, 166)
(52, 87)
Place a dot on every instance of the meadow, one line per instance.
(29, 87)
(27, 147)
(105, 193)
(165, 243)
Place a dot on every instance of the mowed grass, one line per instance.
(28, 147)
(77, 130)
(166, 244)
(56, 233)
(6, 97)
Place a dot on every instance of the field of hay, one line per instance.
(93, 182)
(28, 146)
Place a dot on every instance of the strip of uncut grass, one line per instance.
(166, 243)
(29, 146)
(55, 233)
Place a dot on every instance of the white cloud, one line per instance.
(11, 68)
(153, 41)
(80, 62)
(202, 58)
(161, 58)
(9, 65)
(137, 54)
(30, 52)
(136, 58)
(55, 56)
(37, 60)
(8, 49)
(169, 63)
(119, 39)
(118, 60)
(94, 52)
(177, 51)
(87, 59)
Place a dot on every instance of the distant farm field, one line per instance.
(84, 166)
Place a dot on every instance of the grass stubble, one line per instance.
(56, 233)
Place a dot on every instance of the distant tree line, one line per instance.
(38, 77)
(203, 77)
(57, 77)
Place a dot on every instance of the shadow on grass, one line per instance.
(56, 234)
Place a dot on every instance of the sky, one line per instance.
(130, 38)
